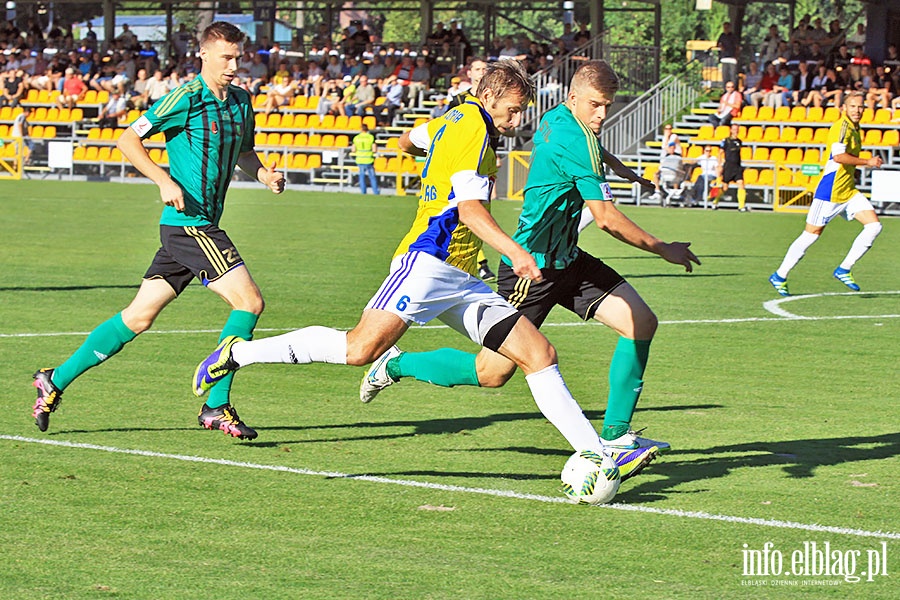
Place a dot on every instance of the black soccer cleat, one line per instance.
(226, 419)
(48, 398)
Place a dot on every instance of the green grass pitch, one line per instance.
(785, 431)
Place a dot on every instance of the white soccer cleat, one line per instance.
(632, 441)
(376, 378)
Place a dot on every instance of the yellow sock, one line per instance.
(742, 198)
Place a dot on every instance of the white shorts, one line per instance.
(823, 211)
(421, 288)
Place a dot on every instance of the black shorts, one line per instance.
(732, 173)
(580, 288)
(204, 252)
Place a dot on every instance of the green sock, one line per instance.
(106, 340)
(446, 367)
(241, 324)
(626, 379)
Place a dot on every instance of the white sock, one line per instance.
(796, 252)
(587, 217)
(300, 347)
(557, 404)
(861, 244)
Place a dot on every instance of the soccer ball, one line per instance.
(590, 478)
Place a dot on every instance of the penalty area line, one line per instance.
(461, 489)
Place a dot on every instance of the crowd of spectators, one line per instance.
(345, 73)
(812, 66)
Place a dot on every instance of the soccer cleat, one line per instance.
(845, 277)
(48, 398)
(485, 273)
(632, 462)
(376, 378)
(780, 284)
(215, 366)
(226, 419)
(632, 441)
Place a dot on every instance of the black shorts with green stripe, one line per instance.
(580, 288)
(204, 252)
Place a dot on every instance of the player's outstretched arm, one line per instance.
(611, 220)
(476, 217)
(408, 141)
(129, 144)
(624, 172)
(268, 176)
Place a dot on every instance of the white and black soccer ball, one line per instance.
(590, 478)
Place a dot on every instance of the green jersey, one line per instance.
(566, 169)
(204, 137)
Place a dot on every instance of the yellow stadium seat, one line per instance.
(794, 156)
(891, 137)
(164, 159)
(342, 141)
(4, 131)
(754, 134)
(102, 97)
(287, 139)
(722, 132)
(777, 155)
(5, 113)
(273, 120)
(301, 139)
(784, 177)
(260, 139)
(815, 114)
(370, 122)
(158, 137)
(766, 177)
(748, 113)
(260, 119)
(300, 121)
(65, 115)
(36, 131)
(115, 156)
(43, 96)
(873, 137)
(811, 156)
(40, 114)
(315, 140)
(299, 103)
(298, 161)
(765, 113)
(865, 154)
(312, 102)
(868, 116)
(821, 135)
(52, 115)
(103, 154)
(287, 121)
(799, 178)
(706, 132)
(32, 96)
(355, 123)
(155, 154)
(77, 114)
(831, 115)
(327, 140)
(761, 153)
(49, 132)
(696, 151)
(78, 153)
(393, 164)
(392, 143)
(804, 135)
(788, 134)
(380, 164)
(408, 165)
(259, 100)
(117, 133)
(750, 176)
(314, 161)
(882, 116)
(771, 134)
(106, 134)
(798, 114)
(327, 122)
(341, 122)
(94, 134)
(782, 113)
(272, 139)
(746, 152)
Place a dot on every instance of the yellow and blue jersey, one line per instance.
(204, 138)
(461, 165)
(837, 183)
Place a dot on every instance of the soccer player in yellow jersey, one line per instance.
(836, 194)
(433, 274)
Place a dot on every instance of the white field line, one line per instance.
(463, 489)
(772, 306)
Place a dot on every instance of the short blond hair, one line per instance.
(596, 75)
(507, 76)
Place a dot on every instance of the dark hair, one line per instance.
(220, 30)
(507, 76)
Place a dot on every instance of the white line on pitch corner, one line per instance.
(774, 306)
(463, 489)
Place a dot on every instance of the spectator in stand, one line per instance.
(439, 35)
(858, 37)
(803, 85)
(751, 81)
(348, 95)
(148, 57)
(174, 80)
(73, 90)
(729, 50)
(709, 172)
(13, 88)
(858, 61)
(334, 69)
(330, 103)
(90, 37)
(114, 110)
(836, 35)
(420, 81)
(181, 40)
(509, 49)
(376, 70)
(766, 84)
(439, 108)
(281, 89)
(797, 55)
(157, 87)
(403, 72)
(127, 38)
(729, 106)
(583, 36)
(825, 88)
(768, 50)
(817, 33)
(137, 94)
(782, 89)
(259, 73)
(454, 89)
(881, 90)
(323, 35)
(840, 60)
(393, 101)
(816, 56)
(801, 33)
(568, 37)
(365, 96)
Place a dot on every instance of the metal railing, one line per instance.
(624, 131)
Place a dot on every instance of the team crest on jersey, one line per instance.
(214, 127)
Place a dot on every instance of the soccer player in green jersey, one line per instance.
(566, 174)
(209, 128)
